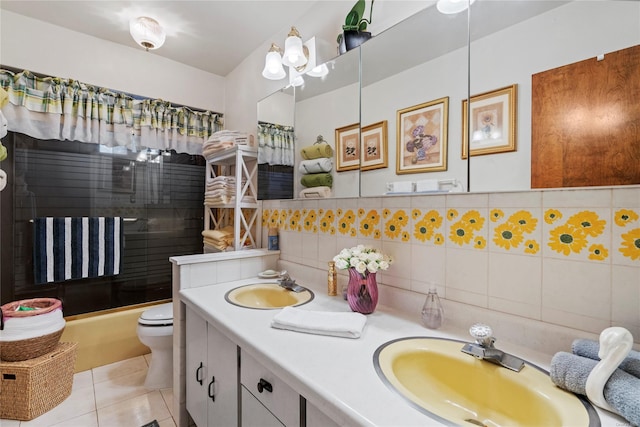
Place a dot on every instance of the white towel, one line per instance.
(347, 325)
(320, 165)
(320, 192)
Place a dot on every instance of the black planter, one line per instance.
(354, 38)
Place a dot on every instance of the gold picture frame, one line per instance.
(374, 148)
(348, 148)
(493, 122)
(422, 132)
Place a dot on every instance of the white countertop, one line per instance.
(337, 375)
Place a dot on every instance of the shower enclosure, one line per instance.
(159, 195)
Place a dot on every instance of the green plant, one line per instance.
(355, 20)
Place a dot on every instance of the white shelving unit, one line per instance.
(240, 162)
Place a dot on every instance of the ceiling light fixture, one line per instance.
(147, 32)
(450, 7)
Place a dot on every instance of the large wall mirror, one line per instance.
(312, 112)
(414, 76)
(541, 37)
(422, 76)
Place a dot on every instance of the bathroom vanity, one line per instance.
(266, 376)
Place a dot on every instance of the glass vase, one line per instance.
(362, 291)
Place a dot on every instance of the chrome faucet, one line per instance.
(483, 348)
(288, 283)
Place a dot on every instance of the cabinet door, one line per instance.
(254, 414)
(222, 379)
(316, 418)
(280, 399)
(195, 369)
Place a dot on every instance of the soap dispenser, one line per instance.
(432, 311)
(332, 279)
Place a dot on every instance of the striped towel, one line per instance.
(75, 248)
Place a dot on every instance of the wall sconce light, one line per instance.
(147, 32)
(295, 52)
(273, 69)
(450, 7)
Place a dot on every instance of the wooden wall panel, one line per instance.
(585, 120)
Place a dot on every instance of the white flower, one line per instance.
(363, 259)
(360, 267)
(340, 263)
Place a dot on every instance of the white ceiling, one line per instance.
(212, 35)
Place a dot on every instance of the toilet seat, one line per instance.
(160, 315)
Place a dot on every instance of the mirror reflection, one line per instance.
(327, 114)
(544, 37)
(518, 131)
(414, 75)
(276, 147)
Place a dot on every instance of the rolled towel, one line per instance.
(315, 192)
(622, 391)
(322, 164)
(346, 325)
(590, 349)
(316, 151)
(317, 180)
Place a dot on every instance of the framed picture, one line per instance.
(348, 148)
(374, 146)
(422, 137)
(493, 122)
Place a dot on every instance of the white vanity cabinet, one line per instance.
(211, 374)
(268, 390)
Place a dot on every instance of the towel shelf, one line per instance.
(240, 162)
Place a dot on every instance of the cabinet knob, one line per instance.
(211, 390)
(264, 385)
(198, 372)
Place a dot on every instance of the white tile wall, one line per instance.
(576, 291)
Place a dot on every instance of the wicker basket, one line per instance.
(32, 387)
(39, 306)
(15, 351)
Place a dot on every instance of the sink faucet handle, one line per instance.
(483, 334)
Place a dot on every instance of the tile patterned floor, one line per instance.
(108, 396)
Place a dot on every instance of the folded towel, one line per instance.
(622, 391)
(347, 325)
(316, 151)
(321, 191)
(322, 164)
(590, 349)
(317, 180)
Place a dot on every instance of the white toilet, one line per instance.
(155, 330)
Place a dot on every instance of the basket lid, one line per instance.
(158, 315)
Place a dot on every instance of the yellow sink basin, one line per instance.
(267, 296)
(454, 387)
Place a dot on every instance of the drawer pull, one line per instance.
(211, 391)
(264, 385)
(198, 371)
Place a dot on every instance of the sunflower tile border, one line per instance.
(428, 226)
(467, 228)
(600, 235)
(327, 221)
(370, 223)
(579, 234)
(626, 237)
(515, 230)
(396, 225)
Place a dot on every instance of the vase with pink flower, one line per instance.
(362, 262)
